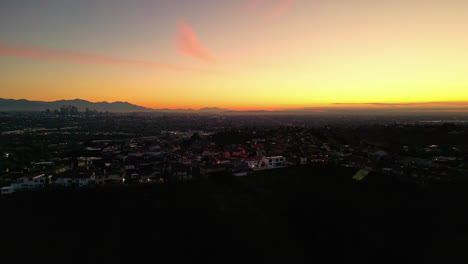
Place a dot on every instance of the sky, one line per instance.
(236, 54)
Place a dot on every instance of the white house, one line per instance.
(7, 190)
(79, 180)
(275, 162)
(25, 183)
(32, 182)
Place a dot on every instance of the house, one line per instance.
(75, 179)
(254, 162)
(211, 169)
(239, 153)
(447, 161)
(109, 178)
(180, 173)
(239, 168)
(222, 160)
(150, 178)
(32, 182)
(131, 178)
(258, 146)
(7, 190)
(25, 183)
(379, 154)
(275, 162)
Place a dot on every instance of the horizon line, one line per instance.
(415, 106)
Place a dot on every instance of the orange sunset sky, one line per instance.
(237, 54)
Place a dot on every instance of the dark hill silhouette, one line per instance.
(25, 105)
(294, 215)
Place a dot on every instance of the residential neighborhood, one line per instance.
(84, 153)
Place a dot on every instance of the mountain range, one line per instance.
(460, 108)
(23, 105)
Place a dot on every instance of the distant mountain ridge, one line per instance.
(23, 105)
(26, 105)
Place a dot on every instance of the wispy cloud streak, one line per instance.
(189, 45)
(282, 8)
(46, 54)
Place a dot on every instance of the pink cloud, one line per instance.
(282, 8)
(81, 58)
(253, 4)
(189, 45)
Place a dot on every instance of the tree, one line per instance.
(195, 137)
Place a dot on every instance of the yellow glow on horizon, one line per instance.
(381, 52)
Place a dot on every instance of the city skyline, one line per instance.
(240, 55)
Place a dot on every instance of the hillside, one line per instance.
(300, 215)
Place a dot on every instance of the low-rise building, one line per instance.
(275, 162)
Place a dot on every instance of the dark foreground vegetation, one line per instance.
(296, 214)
